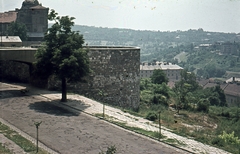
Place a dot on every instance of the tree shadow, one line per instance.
(56, 108)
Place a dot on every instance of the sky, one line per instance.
(162, 15)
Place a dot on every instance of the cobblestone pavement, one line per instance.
(70, 132)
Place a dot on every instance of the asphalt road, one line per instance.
(68, 132)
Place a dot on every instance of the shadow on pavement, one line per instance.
(51, 108)
(11, 93)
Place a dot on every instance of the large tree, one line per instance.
(62, 54)
(17, 29)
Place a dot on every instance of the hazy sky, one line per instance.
(163, 15)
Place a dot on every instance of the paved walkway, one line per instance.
(70, 132)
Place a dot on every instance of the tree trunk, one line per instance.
(64, 90)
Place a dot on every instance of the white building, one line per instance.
(172, 71)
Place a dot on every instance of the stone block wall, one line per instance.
(14, 71)
(115, 72)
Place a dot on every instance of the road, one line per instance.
(68, 132)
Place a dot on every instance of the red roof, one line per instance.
(8, 17)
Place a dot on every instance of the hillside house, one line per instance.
(231, 90)
(172, 71)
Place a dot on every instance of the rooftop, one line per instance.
(232, 89)
(39, 7)
(8, 17)
(233, 79)
(159, 65)
(10, 39)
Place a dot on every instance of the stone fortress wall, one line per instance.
(115, 72)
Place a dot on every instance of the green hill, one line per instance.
(167, 45)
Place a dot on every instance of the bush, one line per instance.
(203, 106)
(218, 141)
(226, 114)
(229, 138)
(151, 116)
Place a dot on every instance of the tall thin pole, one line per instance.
(37, 139)
(159, 122)
(103, 110)
(37, 124)
(1, 32)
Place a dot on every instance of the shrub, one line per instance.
(226, 114)
(151, 116)
(229, 138)
(203, 106)
(218, 141)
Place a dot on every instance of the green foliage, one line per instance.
(214, 71)
(215, 95)
(162, 89)
(230, 138)
(218, 141)
(17, 29)
(203, 105)
(145, 83)
(184, 89)
(62, 54)
(3, 150)
(159, 77)
(152, 116)
(110, 150)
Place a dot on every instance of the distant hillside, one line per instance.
(165, 45)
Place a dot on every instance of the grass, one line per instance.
(154, 135)
(22, 142)
(3, 150)
(203, 127)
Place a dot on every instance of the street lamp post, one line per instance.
(159, 122)
(37, 124)
(1, 32)
(103, 110)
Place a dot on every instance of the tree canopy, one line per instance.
(159, 77)
(184, 88)
(62, 54)
(17, 29)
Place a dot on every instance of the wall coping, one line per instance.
(111, 48)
